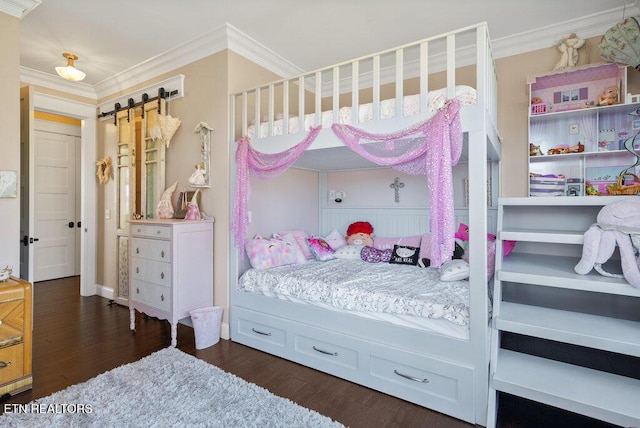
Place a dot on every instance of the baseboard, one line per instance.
(104, 291)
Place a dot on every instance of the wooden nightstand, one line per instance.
(15, 336)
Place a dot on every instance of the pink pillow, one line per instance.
(301, 239)
(321, 249)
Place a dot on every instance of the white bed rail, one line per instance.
(388, 74)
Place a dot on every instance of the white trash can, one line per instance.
(206, 325)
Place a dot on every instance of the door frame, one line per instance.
(88, 147)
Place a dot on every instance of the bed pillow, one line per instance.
(301, 238)
(454, 270)
(350, 252)
(295, 247)
(419, 241)
(405, 255)
(266, 253)
(320, 249)
(336, 240)
(375, 255)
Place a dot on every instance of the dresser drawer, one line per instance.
(12, 362)
(151, 249)
(151, 231)
(150, 294)
(151, 271)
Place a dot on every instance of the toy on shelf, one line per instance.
(568, 48)
(608, 97)
(538, 106)
(534, 150)
(564, 149)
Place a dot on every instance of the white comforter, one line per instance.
(370, 287)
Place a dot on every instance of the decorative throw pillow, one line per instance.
(375, 255)
(266, 253)
(405, 255)
(320, 249)
(454, 270)
(295, 248)
(336, 240)
(351, 252)
(301, 238)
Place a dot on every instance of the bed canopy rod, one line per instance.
(162, 94)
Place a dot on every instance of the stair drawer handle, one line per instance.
(415, 379)
(322, 351)
(161, 275)
(261, 332)
(4, 364)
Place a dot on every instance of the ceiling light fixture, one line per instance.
(70, 72)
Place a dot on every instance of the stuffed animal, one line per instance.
(360, 233)
(617, 223)
(534, 150)
(568, 48)
(609, 96)
(536, 100)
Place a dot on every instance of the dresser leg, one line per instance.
(132, 318)
(174, 334)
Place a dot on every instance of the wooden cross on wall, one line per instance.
(396, 186)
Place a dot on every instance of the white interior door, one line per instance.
(54, 207)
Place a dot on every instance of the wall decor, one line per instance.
(104, 170)
(8, 184)
(201, 176)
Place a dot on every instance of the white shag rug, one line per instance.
(169, 388)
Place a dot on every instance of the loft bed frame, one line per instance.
(457, 370)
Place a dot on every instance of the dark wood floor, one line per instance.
(77, 338)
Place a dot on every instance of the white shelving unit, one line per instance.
(538, 294)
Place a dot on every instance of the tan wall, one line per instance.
(10, 138)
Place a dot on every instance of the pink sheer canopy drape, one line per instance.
(431, 148)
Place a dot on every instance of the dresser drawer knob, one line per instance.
(139, 230)
(137, 250)
(137, 269)
(158, 232)
(415, 379)
(137, 290)
(162, 297)
(162, 254)
(4, 364)
(161, 275)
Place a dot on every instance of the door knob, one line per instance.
(71, 225)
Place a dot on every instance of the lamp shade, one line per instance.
(69, 72)
(621, 43)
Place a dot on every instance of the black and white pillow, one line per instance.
(405, 255)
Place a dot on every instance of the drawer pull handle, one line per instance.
(137, 250)
(162, 297)
(162, 254)
(139, 230)
(161, 275)
(158, 232)
(137, 290)
(137, 269)
(4, 364)
(261, 332)
(322, 351)
(415, 379)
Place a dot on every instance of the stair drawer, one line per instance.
(258, 328)
(331, 350)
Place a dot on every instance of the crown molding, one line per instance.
(18, 8)
(51, 81)
(229, 37)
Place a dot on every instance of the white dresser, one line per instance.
(170, 268)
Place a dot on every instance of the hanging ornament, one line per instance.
(621, 43)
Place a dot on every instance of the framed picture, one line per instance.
(8, 184)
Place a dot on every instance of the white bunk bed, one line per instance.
(447, 373)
